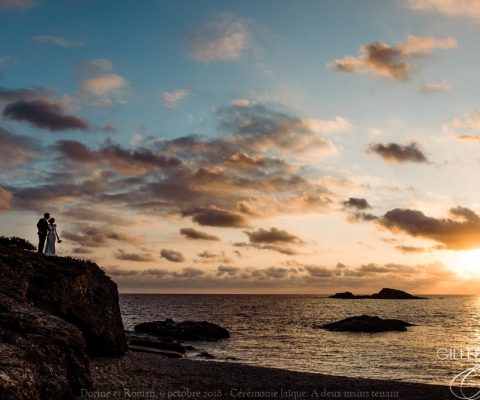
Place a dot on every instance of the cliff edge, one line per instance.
(55, 313)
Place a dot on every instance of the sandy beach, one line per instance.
(146, 376)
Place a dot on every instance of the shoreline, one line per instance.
(146, 376)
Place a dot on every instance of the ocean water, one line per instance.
(278, 331)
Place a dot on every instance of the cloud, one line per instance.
(227, 270)
(464, 8)
(428, 88)
(207, 254)
(398, 153)
(225, 180)
(172, 255)
(410, 249)
(30, 94)
(209, 257)
(319, 272)
(362, 216)
(98, 86)
(171, 99)
(93, 236)
(6, 199)
(215, 216)
(141, 257)
(273, 239)
(188, 273)
(96, 66)
(280, 248)
(57, 41)
(43, 114)
(191, 233)
(109, 127)
(459, 231)
(259, 129)
(16, 149)
(357, 203)
(339, 124)
(362, 278)
(242, 102)
(4, 4)
(81, 250)
(243, 160)
(103, 85)
(137, 160)
(394, 62)
(272, 235)
(466, 128)
(222, 39)
(157, 273)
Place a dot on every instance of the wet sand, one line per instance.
(152, 376)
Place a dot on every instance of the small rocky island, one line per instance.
(385, 293)
(366, 323)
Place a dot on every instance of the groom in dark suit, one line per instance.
(42, 226)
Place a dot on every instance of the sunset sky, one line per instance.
(245, 146)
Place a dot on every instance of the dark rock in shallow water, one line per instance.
(144, 349)
(171, 345)
(186, 330)
(205, 354)
(366, 323)
(146, 340)
(385, 293)
(54, 312)
(343, 295)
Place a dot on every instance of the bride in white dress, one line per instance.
(52, 237)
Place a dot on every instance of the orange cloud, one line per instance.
(394, 62)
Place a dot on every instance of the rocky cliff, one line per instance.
(55, 313)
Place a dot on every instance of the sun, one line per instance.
(468, 262)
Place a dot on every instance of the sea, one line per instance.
(282, 331)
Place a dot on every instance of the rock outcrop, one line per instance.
(385, 293)
(41, 356)
(186, 330)
(366, 323)
(55, 313)
(143, 342)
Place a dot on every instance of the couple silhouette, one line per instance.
(47, 231)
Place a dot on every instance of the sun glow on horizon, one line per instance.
(467, 263)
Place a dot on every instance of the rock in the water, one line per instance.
(366, 323)
(385, 293)
(166, 353)
(146, 340)
(343, 295)
(170, 345)
(54, 312)
(186, 330)
(205, 354)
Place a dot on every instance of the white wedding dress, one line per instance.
(51, 239)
